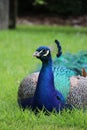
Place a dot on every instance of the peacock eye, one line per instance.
(44, 51)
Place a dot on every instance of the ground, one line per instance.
(52, 20)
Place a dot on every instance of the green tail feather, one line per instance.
(73, 61)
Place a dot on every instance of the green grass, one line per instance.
(16, 61)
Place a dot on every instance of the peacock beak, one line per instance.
(36, 54)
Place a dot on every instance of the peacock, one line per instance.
(64, 67)
(45, 96)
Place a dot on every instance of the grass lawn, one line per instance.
(16, 61)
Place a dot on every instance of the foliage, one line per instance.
(16, 61)
(61, 7)
(67, 7)
(41, 2)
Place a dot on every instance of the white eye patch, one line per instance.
(46, 53)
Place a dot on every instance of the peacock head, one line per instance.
(43, 53)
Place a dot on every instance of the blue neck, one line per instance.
(46, 79)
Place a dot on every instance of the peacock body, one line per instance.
(64, 67)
